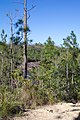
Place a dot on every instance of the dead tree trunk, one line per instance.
(67, 77)
(11, 47)
(25, 40)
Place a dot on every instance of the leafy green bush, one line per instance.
(9, 109)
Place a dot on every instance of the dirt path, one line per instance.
(60, 111)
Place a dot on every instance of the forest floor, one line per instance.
(59, 111)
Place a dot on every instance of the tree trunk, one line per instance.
(72, 76)
(11, 48)
(67, 79)
(25, 40)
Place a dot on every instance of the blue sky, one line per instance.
(55, 18)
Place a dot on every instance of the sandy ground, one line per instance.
(59, 111)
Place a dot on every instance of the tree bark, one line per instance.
(25, 40)
(67, 72)
(11, 42)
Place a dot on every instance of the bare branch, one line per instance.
(10, 16)
(19, 2)
(28, 15)
(31, 8)
(28, 34)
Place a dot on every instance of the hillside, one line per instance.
(54, 76)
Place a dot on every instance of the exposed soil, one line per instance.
(59, 111)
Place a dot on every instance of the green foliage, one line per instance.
(34, 52)
(56, 78)
(9, 106)
(17, 39)
(3, 36)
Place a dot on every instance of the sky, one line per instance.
(54, 18)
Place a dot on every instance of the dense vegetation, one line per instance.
(55, 78)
